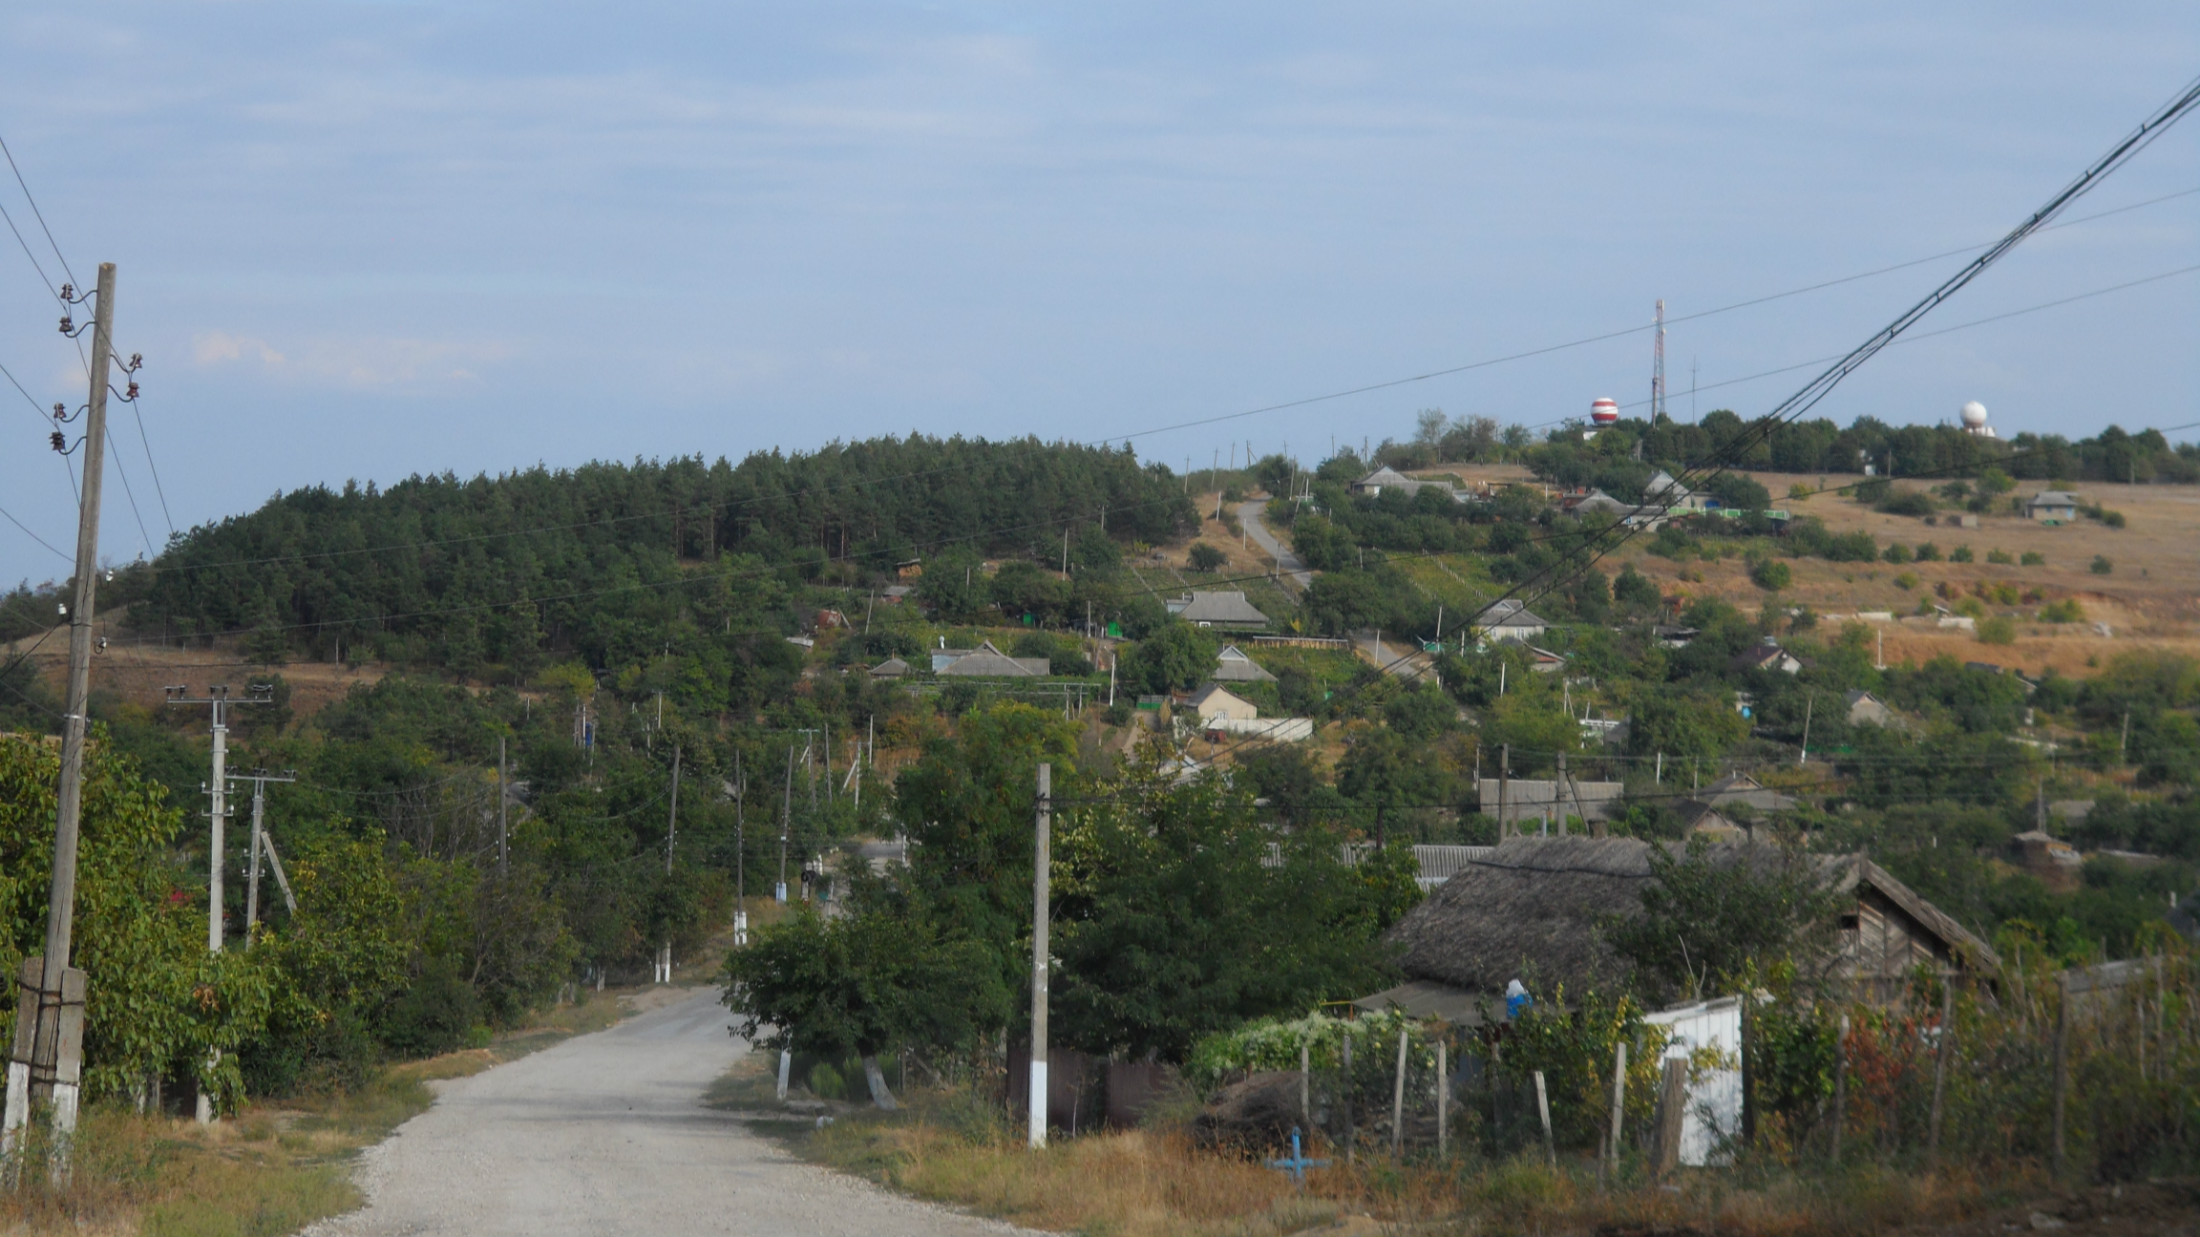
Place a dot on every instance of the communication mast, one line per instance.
(1657, 369)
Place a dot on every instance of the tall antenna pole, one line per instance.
(1657, 369)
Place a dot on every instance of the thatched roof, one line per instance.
(1533, 908)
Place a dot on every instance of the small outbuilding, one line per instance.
(2052, 507)
(1866, 709)
(891, 668)
(987, 662)
(1766, 655)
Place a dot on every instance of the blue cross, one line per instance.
(1298, 1163)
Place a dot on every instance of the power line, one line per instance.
(41, 216)
(810, 491)
(1795, 405)
(34, 536)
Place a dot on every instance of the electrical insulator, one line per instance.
(60, 443)
(136, 359)
(63, 607)
(60, 412)
(103, 644)
(68, 324)
(68, 292)
(132, 393)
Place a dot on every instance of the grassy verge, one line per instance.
(949, 1147)
(273, 1168)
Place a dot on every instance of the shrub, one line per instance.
(2101, 566)
(1999, 629)
(1896, 553)
(1906, 581)
(1961, 554)
(1204, 557)
(2065, 611)
(2033, 558)
(1852, 548)
(1800, 490)
(1926, 552)
(1906, 502)
(1999, 557)
(1769, 574)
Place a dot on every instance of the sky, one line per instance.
(367, 240)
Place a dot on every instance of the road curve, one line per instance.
(607, 1134)
(1286, 562)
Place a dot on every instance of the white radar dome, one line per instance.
(1974, 414)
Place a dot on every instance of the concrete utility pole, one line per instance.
(740, 789)
(46, 1063)
(218, 700)
(672, 836)
(259, 779)
(504, 834)
(786, 818)
(1042, 862)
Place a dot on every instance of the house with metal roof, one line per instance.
(1215, 701)
(1233, 666)
(1510, 620)
(987, 662)
(1217, 609)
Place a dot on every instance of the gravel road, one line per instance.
(1286, 561)
(606, 1134)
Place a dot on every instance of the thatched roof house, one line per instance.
(1533, 909)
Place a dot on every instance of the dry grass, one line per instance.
(273, 1168)
(948, 1148)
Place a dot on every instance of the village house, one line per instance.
(891, 668)
(1510, 621)
(1534, 909)
(1233, 666)
(987, 662)
(2052, 507)
(2055, 862)
(1217, 609)
(1866, 709)
(1212, 702)
(1766, 655)
(1388, 478)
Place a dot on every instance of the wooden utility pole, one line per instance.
(48, 1063)
(2062, 1068)
(1504, 784)
(1042, 862)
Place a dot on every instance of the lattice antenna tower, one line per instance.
(1657, 369)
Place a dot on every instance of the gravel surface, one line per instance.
(607, 1134)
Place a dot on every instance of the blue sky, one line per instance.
(364, 240)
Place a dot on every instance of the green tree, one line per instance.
(860, 984)
(1205, 558)
(1712, 916)
(156, 1002)
(1175, 922)
(967, 805)
(1174, 658)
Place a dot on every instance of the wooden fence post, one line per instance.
(2062, 1066)
(1672, 1107)
(1543, 1107)
(1940, 1069)
(1398, 1097)
(1619, 1101)
(1443, 1097)
(1840, 1086)
(1306, 1098)
(1350, 1140)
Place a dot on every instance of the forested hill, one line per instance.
(446, 559)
